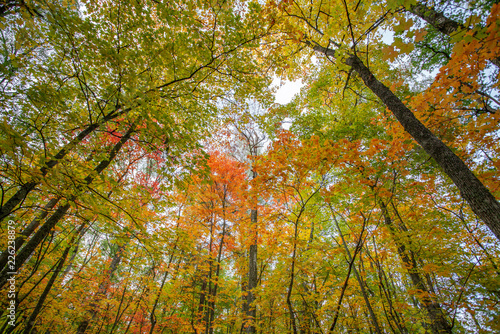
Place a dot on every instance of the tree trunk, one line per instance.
(211, 307)
(152, 316)
(481, 201)
(479, 198)
(21, 194)
(435, 18)
(438, 322)
(101, 291)
(31, 321)
(346, 281)
(385, 291)
(29, 230)
(252, 275)
(442, 23)
(361, 283)
(45, 229)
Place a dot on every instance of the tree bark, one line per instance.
(442, 23)
(252, 275)
(436, 19)
(479, 198)
(481, 201)
(211, 303)
(152, 316)
(361, 283)
(359, 245)
(101, 291)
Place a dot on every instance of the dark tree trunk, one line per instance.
(361, 283)
(152, 316)
(359, 245)
(31, 321)
(101, 291)
(481, 201)
(21, 194)
(479, 198)
(29, 230)
(45, 229)
(438, 322)
(442, 23)
(435, 19)
(252, 275)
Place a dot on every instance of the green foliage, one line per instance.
(357, 228)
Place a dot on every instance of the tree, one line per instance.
(317, 23)
(150, 185)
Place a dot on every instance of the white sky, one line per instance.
(287, 90)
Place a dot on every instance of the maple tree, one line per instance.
(153, 187)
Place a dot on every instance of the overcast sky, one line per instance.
(286, 90)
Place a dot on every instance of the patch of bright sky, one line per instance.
(286, 90)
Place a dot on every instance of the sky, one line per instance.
(287, 90)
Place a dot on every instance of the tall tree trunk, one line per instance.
(442, 23)
(152, 316)
(21, 194)
(211, 303)
(292, 275)
(206, 315)
(479, 198)
(385, 291)
(203, 300)
(481, 201)
(19, 241)
(359, 245)
(31, 321)
(45, 229)
(436, 19)
(252, 275)
(254, 141)
(361, 283)
(101, 291)
(438, 322)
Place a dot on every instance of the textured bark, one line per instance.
(435, 19)
(438, 322)
(479, 198)
(26, 188)
(442, 23)
(45, 229)
(252, 275)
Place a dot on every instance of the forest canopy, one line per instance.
(149, 182)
